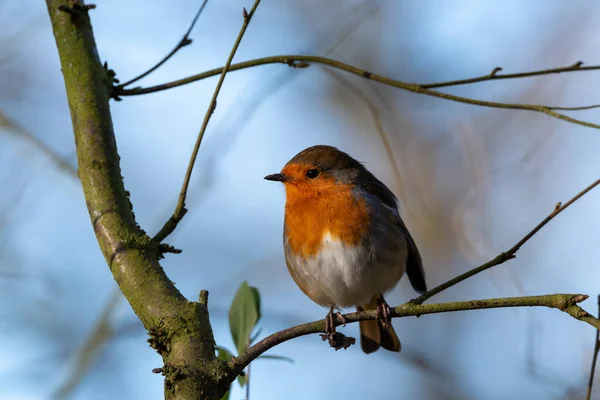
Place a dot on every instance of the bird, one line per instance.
(344, 241)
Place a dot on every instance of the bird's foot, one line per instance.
(330, 320)
(336, 340)
(383, 314)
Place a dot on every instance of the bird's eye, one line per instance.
(312, 173)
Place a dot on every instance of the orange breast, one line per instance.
(311, 212)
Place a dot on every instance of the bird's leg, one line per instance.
(383, 313)
(336, 339)
(330, 322)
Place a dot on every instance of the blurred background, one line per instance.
(472, 181)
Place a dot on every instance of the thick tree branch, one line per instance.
(180, 209)
(301, 61)
(180, 330)
(507, 255)
(185, 40)
(563, 302)
(121, 240)
(594, 359)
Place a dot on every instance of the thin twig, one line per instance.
(507, 255)
(185, 40)
(302, 61)
(494, 75)
(563, 302)
(582, 108)
(180, 209)
(594, 358)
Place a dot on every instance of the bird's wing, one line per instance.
(414, 264)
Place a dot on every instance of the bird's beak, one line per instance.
(276, 177)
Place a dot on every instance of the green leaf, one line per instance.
(276, 357)
(225, 355)
(256, 297)
(243, 315)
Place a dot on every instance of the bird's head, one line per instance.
(318, 168)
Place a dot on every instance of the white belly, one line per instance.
(345, 276)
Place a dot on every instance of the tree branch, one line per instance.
(494, 75)
(594, 359)
(185, 40)
(180, 209)
(179, 330)
(563, 302)
(507, 255)
(582, 108)
(302, 61)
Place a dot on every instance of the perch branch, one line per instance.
(507, 255)
(185, 40)
(302, 61)
(180, 209)
(564, 302)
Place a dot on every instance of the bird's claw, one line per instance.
(383, 314)
(341, 318)
(336, 340)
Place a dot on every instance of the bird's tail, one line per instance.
(373, 334)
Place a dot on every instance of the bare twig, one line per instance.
(180, 209)
(507, 255)
(294, 60)
(494, 75)
(582, 108)
(304, 61)
(564, 302)
(185, 40)
(594, 358)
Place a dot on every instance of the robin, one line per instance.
(344, 241)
